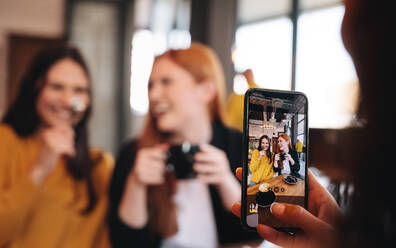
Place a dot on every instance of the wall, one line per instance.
(26, 17)
(94, 29)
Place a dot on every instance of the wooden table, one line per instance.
(280, 187)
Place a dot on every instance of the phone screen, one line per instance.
(275, 154)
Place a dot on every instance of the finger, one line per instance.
(152, 173)
(203, 168)
(205, 148)
(153, 179)
(333, 211)
(151, 176)
(236, 209)
(238, 173)
(298, 216)
(203, 157)
(314, 185)
(209, 149)
(153, 167)
(209, 179)
(162, 146)
(156, 154)
(276, 237)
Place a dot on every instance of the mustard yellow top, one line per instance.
(48, 215)
(299, 146)
(262, 169)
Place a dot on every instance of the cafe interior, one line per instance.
(273, 117)
(287, 44)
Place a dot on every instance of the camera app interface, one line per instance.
(276, 155)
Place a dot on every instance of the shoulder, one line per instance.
(222, 131)
(9, 140)
(124, 162)
(127, 151)
(128, 147)
(126, 156)
(7, 133)
(234, 133)
(255, 152)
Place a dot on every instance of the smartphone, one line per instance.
(275, 155)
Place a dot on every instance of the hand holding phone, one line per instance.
(317, 223)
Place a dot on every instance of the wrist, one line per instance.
(134, 182)
(227, 181)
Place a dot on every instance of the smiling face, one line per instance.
(66, 83)
(283, 144)
(176, 99)
(265, 144)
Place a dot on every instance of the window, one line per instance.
(325, 72)
(162, 24)
(266, 48)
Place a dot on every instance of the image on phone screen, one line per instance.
(275, 156)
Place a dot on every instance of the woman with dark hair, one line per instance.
(53, 187)
(370, 219)
(150, 207)
(286, 158)
(261, 162)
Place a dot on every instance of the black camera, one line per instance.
(180, 160)
(282, 156)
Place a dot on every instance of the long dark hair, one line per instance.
(24, 119)
(372, 218)
(267, 152)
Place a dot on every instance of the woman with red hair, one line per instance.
(150, 207)
(286, 158)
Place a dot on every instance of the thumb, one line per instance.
(298, 216)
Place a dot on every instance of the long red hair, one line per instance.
(287, 138)
(203, 64)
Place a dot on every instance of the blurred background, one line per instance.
(288, 45)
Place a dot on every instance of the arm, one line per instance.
(296, 166)
(128, 210)
(16, 201)
(254, 161)
(17, 190)
(276, 163)
(213, 167)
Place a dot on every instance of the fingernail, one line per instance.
(278, 208)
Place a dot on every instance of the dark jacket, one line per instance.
(293, 168)
(229, 229)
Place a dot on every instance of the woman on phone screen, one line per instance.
(286, 158)
(262, 160)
